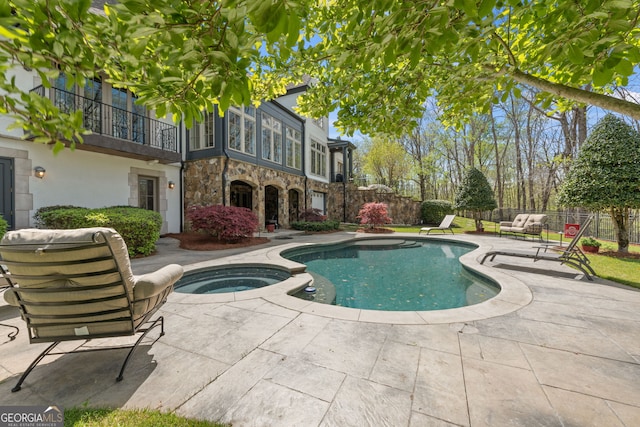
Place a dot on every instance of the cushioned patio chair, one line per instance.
(444, 225)
(525, 225)
(571, 255)
(78, 285)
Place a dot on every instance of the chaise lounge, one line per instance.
(78, 285)
(572, 255)
(444, 225)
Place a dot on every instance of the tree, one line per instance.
(178, 57)
(375, 61)
(379, 60)
(475, 194)
(606, 175)
(387, 161)
(374, 214)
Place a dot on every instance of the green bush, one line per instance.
(434, 211)
(327, 225)
(4, 225)
(140, 228)
(39, 217)
(590, 241)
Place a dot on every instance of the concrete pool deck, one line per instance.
(568, 354)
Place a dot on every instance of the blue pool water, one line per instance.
(215, 280)
(394, 275)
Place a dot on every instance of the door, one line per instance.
(6, 190)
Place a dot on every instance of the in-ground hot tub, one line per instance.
(230, 278)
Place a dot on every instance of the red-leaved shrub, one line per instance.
(227, 223)
(374, 214)
(312, 215)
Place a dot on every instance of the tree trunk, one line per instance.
(499, 183)
(620, 218)
(477, 216)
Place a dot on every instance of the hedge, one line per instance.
(140, 228)
(4, 225)
(327, 225)
(434, 211)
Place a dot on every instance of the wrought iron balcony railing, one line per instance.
(104, 119)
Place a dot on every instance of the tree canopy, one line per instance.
(375, 61)
(178, 57)
(606, 174)
(386, 160)
(378, 60)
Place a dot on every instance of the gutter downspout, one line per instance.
(181, 180)
(225, 169)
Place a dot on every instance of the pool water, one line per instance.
(217, 280)
(394, 275)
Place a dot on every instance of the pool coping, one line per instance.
(513, 295)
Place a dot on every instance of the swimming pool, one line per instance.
(393, 275)
(234, 278)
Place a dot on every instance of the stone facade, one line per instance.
(402, 210)
(203, 185)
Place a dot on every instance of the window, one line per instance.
(294, 148)
(63, 96)
(92, 105)
(127, 123)
(318, 158)
(242, 129)
(120, 123)
(271, 139)
(147, 196)
(201, 135)
(137, 120)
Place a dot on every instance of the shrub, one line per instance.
(327, 225)
(42, 218)
(374, 214)
(434, 211)
(227, 223)
(4, 225)
(475, 194)
(590, 241)
(312, 215)
(140, 228)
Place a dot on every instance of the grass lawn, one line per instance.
(607, 264)
(86, 417)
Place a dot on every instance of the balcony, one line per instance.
(116, 131)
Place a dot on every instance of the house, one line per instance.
(268, 159)
(131, 158)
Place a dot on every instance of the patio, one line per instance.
(560, 352)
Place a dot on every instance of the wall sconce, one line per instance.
(172, 185)
(39, 172)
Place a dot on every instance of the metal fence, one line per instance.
(601, 227)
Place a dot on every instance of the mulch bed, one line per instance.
(204, 242)
(375, 230)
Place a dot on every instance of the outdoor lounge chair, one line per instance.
(444, 225)
(78, 285)
(524, 225)
(572, 255)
